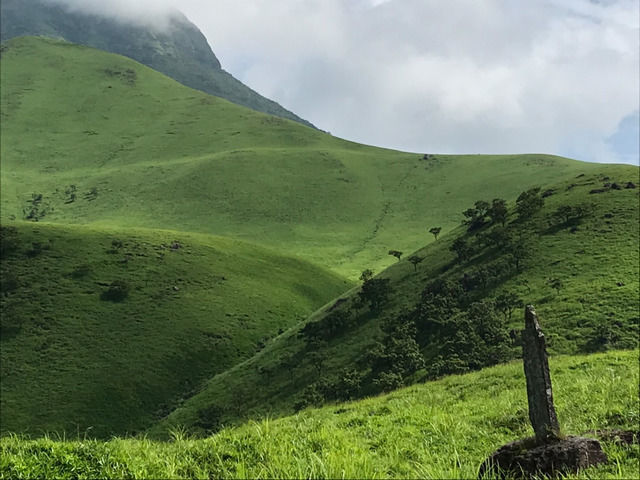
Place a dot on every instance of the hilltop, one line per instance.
(177, 49)
(150, 152)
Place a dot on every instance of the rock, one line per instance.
(615, 186)
(526, 459)
(630, 185)
(598, 190)
(542, 412)
(548, 193)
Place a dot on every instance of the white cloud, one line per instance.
(483, 76)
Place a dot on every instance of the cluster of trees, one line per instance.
(463, 332)
(482, 213)
(458, 322)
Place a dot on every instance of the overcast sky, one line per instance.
(442, 76)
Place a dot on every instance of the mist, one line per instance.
(155, 13)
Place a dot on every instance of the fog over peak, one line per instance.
(154, 13)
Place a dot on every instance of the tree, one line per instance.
(507, 302)
(518, 252)
(529, 202)
(366, 275)
(462, 249)
(499, 236)
(415, 260)
(476, 215)
(316, 353)
(395, 253)
(498, 211)
(570, 214)
(435, 231)
(375, 291)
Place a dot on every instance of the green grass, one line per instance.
(180, 51)
(441, 429)
(160, 155)
(72, 361)
(597, 263)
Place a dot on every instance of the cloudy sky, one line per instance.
(447, 76)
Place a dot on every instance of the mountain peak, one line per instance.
(166, 41)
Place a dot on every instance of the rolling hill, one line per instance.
(159, 155)
(163, 249)
(447, 315)
(105, 330)
(177, 49)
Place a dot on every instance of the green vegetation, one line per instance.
(441, 429)
(142, 150)
(458, 314)
(180, 51)
(131, 303)
(107, 331)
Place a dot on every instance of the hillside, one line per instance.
(178, 49)
(150, 152)
(107, 330)
(449, 314)
(442, 429)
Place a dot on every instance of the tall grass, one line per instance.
(442, 429)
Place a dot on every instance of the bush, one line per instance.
(117, 292)
(9, 242)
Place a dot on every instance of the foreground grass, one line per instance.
(442, 429)
(196, 305)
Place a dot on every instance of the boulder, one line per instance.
(527, 459)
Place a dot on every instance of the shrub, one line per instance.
(117, 291)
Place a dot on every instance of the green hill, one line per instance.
(450, 315)
(107, 330)
(442, 429)
(114, 179)
(179, 49)
(109, 142)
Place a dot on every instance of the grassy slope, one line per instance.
(180, 52)
(441, 429)
(71, 361)
(161, 155)
(590, 262)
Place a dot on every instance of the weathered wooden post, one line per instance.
(542, 413)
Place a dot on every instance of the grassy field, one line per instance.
(595, 308)
(441, 429)
(77, 357)
(138, 149)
